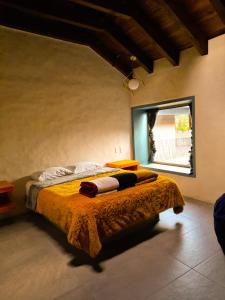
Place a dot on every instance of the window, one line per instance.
(164, 135)
(172, 135)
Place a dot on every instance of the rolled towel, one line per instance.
(100, 185)
(88, 189)
(126, 180)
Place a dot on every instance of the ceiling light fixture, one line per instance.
(131, 82)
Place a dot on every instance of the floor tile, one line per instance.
(43, 276)
(191, 286)
(10, 230)
(214, 268)
(150, 270)
(173, 224)
(81, 293)
(38, 263)
(192, 247)
(131, 276)
(199, 211)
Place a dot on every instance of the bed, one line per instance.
(89, 221)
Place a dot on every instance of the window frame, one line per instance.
(172, 103)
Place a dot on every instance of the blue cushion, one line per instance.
(219, 221)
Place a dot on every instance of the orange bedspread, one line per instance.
(87, 220)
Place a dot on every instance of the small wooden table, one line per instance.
(5, 204)
(128, 164)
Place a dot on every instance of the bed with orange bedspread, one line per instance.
(87, 221)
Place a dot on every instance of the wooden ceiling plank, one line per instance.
(125, 10)
(111, 9)
(199, 41)
(219, 6)
(128, 43)
(158, 37)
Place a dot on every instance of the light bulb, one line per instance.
(133, 84)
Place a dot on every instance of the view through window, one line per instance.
(172, 135)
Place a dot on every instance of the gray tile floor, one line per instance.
(178, 259)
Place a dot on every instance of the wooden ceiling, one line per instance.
(119, 29)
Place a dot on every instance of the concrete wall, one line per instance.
(203, 77)
(59, 103)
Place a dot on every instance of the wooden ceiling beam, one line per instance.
(157, 36)
(114, 8)
(126, 42)
(45, 10)
(22, 20)
(26, 19)
(197, 37)
(219, 6)
(106, 22)
(114, 59)
(131, 9)
(78, 17)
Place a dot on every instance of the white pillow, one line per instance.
(51, 173)
(85, 166)
(71, 168)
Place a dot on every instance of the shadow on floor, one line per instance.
(111, 248)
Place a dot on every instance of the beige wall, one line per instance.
(203, 77)
(59, 103)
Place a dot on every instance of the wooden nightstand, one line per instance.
(5, 204)
(124, 164)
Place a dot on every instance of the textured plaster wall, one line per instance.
(203, 77)
(59, 103)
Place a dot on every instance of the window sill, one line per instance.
(169, 169)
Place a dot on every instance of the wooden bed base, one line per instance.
(133, 229)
